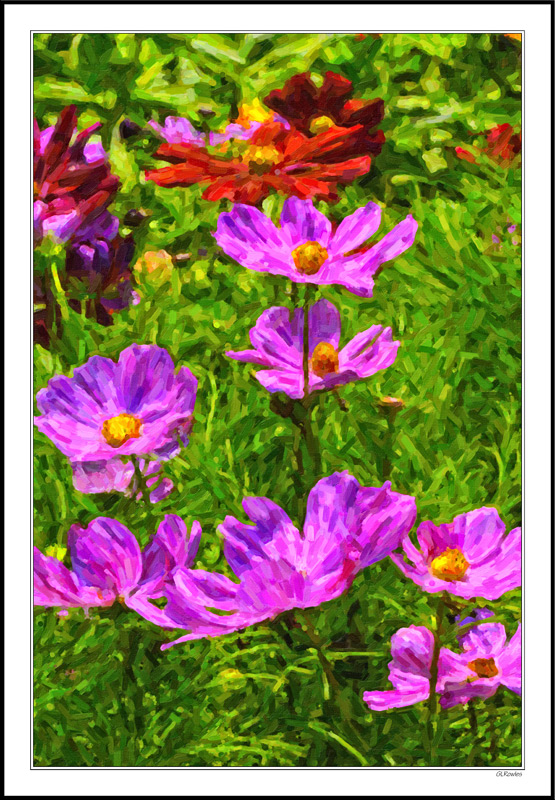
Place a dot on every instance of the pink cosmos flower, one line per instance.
(107, 565)
(347, 528)
(486, 663)
(278, 343)
(106, 411)
(305, 250)
(469, 557)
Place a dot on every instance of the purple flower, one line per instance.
(304, 248)
(485, 664)
(178, 130)
(469, 557)
(101, 261)
(278, 343)
(347, 527)
(135, 407)
(107, 565)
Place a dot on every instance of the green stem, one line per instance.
(333, 692)
(312, 445)
(432, 721)
(142, 488)
(306, 353)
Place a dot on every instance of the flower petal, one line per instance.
(324, 323)
(244, 543)
(92, 477)
(251, 238)
(301, 222)
(355, 229)
(105, 555)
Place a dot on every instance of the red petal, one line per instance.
(368, 114)
(332, 96)
(296, 101)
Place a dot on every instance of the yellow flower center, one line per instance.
(324, 359)
(253, 112)
(309, 257)
(321, 124)
(450, 565)
(483, 667)
(260, 158)
(118, 430)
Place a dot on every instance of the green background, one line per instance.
(104, 693)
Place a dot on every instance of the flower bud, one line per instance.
(134, 217)
(389, 404)
(154, 268)
(129, 128)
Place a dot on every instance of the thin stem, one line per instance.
(432, 722)
(312, 445)
(341, 702)
(306, 345)
(142, 488)
(473, 725)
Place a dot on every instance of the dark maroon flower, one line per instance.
(312, 110)
(73, 184)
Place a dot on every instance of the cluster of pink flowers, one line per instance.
(119, 422)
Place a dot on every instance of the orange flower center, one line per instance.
(483, 667)
(259, 158)
(321, 124)
(451, 565)
(325, 359)
(118, 430)
(309, 257)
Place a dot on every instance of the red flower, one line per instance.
(312, 110)
(503, 146)
(274, 158)
(65, 175)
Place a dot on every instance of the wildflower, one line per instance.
(136, 407)
(469, 557)
(278, 343)
(347, 527)
(103, 266)
(73, 184)
(304, 249)
(107, 565)
(503, 145)
(311, 110)
(273, 158)
(485, 664)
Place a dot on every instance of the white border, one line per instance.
(534, 20)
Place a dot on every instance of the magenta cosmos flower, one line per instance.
(469, 557)
(347, 527)
(106, 411)
(485, 664)
(107, 565)
(305, 250)
(278, 343)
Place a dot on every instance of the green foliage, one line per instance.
(104, 693)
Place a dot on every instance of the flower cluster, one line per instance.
(119, 422)
(316, 140)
